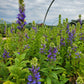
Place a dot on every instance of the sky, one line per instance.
(35, 10)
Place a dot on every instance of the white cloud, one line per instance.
(82, 16)
(36, 9)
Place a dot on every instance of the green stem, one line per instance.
(17, 81)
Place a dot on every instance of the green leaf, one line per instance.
(16, 61)
(59, 68)
(54, 75)
(41, 79)
(65, 80)
(44, 70)
(8, 82)
(48, 80)
(3, 71)
(17, 55)
(0, 79)
(23, 63)
(22, 56)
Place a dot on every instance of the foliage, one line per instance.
(37, 47)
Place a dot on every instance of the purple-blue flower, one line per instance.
(18, 53)
(26, 36)
(80, 21)
(42, 50)
(26, 47)
(74, 49)
(77, 55)
(6, 54)
(62, 42)
(81, 36)
(71, 37)
(30, 78)
(35, 75)
(67, 29)
(34, 28)
(45, 37)
(21, 18)
(52, 54)
(11, 30)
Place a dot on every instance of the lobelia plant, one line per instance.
(52, 52)
(21, 24)
(80, 21)
(71, 34)
(35, 75)
(21, 16)
(50, 70)
(43, 45)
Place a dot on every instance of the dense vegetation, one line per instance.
(41, 54)
(56, 53)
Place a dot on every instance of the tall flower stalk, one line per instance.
(70, 35)
(52, 52)
(21, 16)
(79, 20)
(35, 75)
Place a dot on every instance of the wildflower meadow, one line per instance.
(41, 55)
